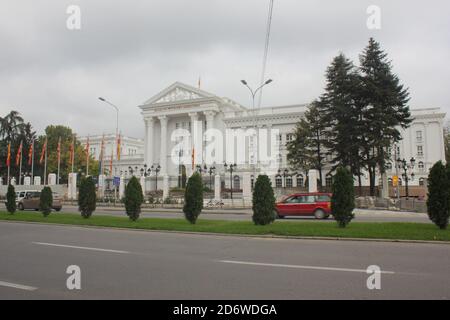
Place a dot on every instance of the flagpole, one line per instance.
(45, 164)
(73, 151)
(87, 157)
(9, 162)
(20, 167)
(59, 159)
(32, 164)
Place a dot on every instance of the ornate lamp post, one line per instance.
(211, 171)
(156, 169)
(405, 166)
(285, 174)
(231, 168)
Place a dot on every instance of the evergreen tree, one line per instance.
(385, 107)
(438, 202)
(11, 199)
(133, 198)
(263, 201)
(306, 151)
(46, 201)
(193, 198)
(87, 197)
(343, 197)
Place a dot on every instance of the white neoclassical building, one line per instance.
(186, 127)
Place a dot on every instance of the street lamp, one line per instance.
(211, 171)
(285, 174)
(253, 93)
(403, 164)
(156, 169)
(117, 116)
(232, 167)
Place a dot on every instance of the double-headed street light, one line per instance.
(232, 167)
(404, 165)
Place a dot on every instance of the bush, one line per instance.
(133, 198)
(46, 201)
(263, 201)
(87, 197)
(193, 198)
(343, 198)
(438, 206)
(11, 199)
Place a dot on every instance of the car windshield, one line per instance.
(323, 198)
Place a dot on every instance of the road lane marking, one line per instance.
(17, 286)
(292, 266)
(77, 247)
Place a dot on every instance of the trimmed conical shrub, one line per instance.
(133, 198)
(87, 197)
(193, 198)
(263, 201)
(46, 201)
(438, 202)
(343, 198)
(11, 199)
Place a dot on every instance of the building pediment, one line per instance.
(178, 92)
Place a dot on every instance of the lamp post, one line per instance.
(285, 174)
(156, 169)
(211, 171)
(405, 166)
(253, 93)
(117, 116)
(232, 167)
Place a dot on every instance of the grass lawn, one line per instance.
(374, 230)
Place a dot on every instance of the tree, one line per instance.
(87, 197)
(438, 202)
(343, 197)
(133, 198)
(193, 198)
(306, 151)
(11, 199)
(46, 201)
(385, 108)
(263, 201)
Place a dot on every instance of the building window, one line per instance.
(300, 180)
(419, 151)
(421, 166)
(419, 136)
(289, 182)
(421, 182)
(389, 166)
(252, 181)
(329, 181)
(278, 181)
(289, 137)
(236, 183)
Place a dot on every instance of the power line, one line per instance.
(266, 50)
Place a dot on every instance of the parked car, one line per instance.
(32, 199)
(305, 204)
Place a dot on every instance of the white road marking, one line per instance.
(17, 286)
(77, 247)
(300, 267)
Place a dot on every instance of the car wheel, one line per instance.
(278, 216)
(319, 214)
(20, 206)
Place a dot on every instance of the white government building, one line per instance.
(181, 106)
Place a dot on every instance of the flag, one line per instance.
(71, 152)
(100, 159)
(199, 82)
(43, 152)
(58, 149)
(118, 147)
(193, 158)
(8, 157)
(111, 161)
(19, 153)
(30, 153)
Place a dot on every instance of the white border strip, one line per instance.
(17, 286)
(77, 247)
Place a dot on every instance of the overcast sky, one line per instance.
(129, 50)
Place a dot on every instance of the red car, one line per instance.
(305, 204)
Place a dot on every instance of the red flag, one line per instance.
(87, 148)
(30, 153)
(118, 147)
(19, 153)
(8, 157)
(43, 152)
(193, 158)
(58, 149)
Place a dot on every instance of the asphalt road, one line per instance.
(125, 264)
(246, 214)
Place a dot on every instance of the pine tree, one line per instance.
(87, 197)
(46, 201)
(343, 197)
(263, 201)
(306, 151)
(438, 202)
(11, 199)
(193, 198)
(385, 107)
(133, 198)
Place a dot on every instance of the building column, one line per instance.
(163, 152)
(149, 136)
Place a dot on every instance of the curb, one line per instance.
(266, 236)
